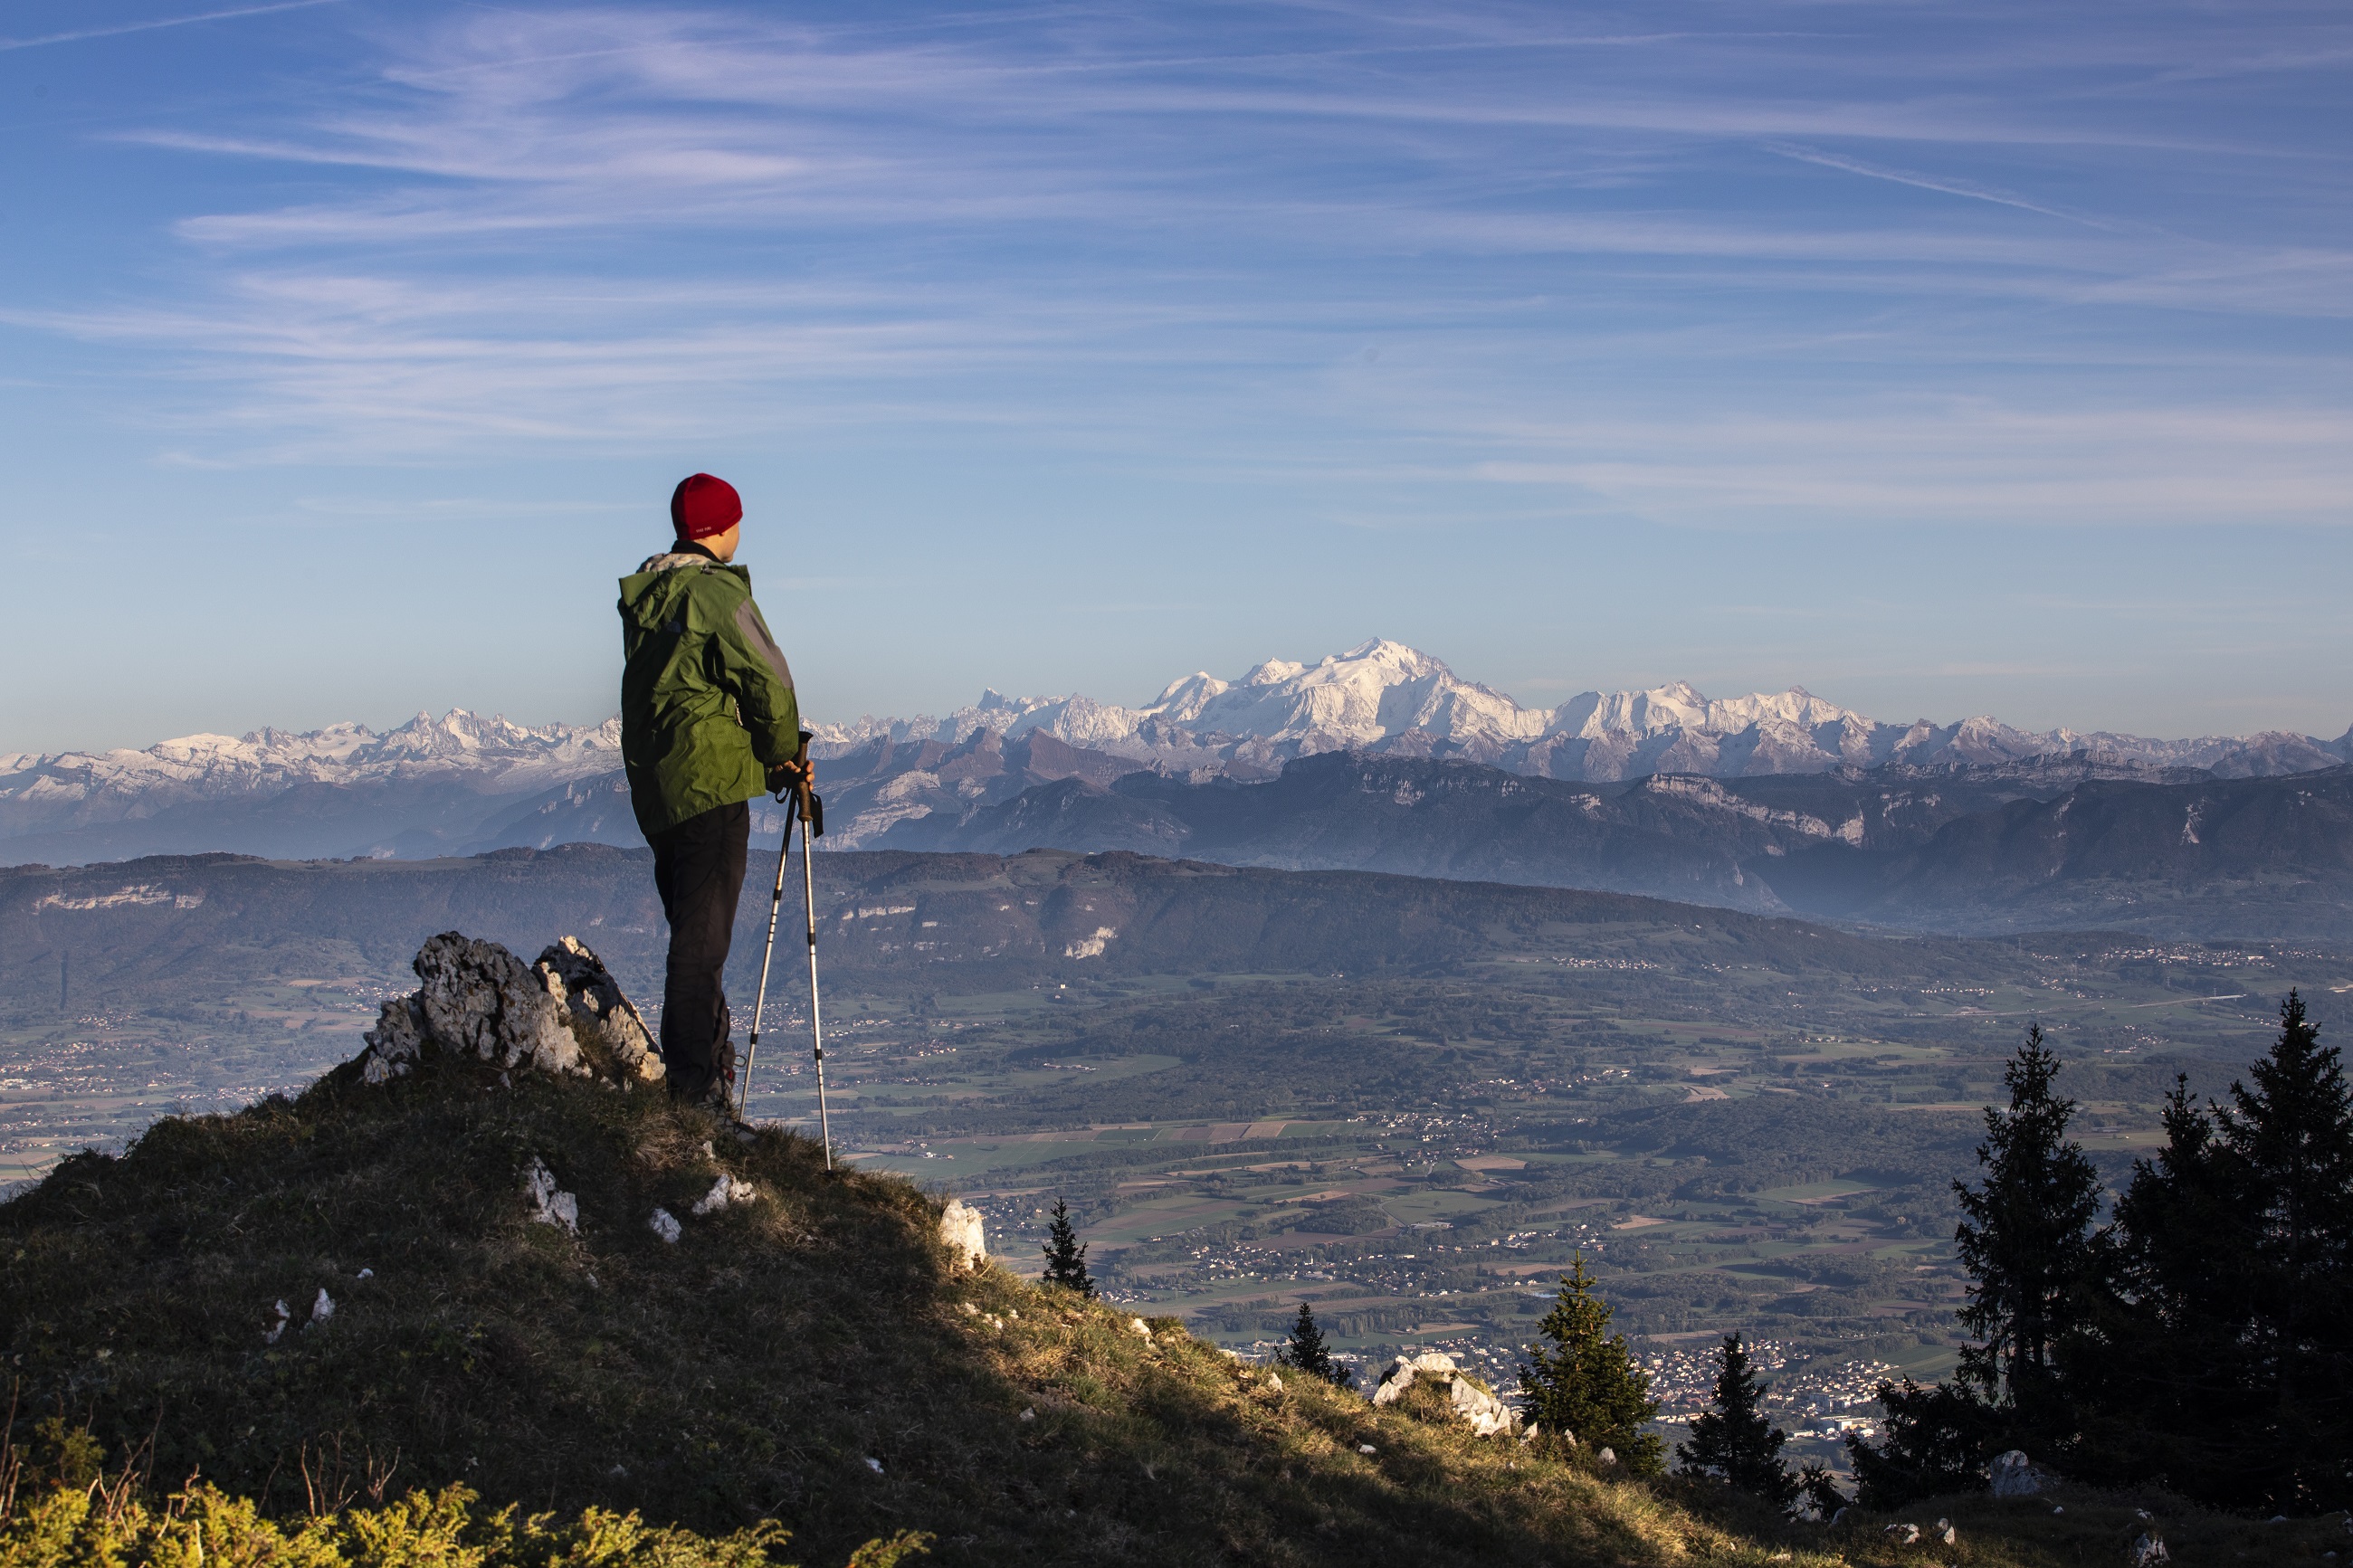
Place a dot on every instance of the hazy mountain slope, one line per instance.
(1971, 851)
(144, 928)
(2255, 857)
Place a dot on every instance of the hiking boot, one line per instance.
(716, 1091)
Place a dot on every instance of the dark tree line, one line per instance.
(2202, 1339)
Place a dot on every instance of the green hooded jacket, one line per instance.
(707, 703)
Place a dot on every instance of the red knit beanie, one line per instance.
(704, 505)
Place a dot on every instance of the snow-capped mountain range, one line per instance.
(431, 785)
(1386, 698)
(506, 757)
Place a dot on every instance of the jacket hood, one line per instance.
(646, 593)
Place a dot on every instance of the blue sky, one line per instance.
(1943, 359)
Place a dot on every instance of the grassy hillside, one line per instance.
(810, 1357)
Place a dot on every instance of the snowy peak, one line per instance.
(1381, 697)
(1680, 706)
(490, 755)
(1386, 695)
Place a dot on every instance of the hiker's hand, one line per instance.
(791, 778)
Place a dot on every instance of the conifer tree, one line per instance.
(2024, 1239)
(2234, 1264)
(2027, 1242)
(1735, 1441)
(1587, 1385)
(1307, 1352)
(1066, 1255)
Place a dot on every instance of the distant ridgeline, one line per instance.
(1379, 759)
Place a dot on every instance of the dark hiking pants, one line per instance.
(699, 869)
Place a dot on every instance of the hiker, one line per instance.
(708, 721)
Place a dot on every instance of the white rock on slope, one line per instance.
(725, 1192)
(549, 1203)
(960, 1232)
(1484, 1414)
(2014, 1475)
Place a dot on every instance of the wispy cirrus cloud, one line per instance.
(150, 24)
(570, 226)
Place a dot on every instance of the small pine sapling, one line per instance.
(1587, 1385)
(1307, 1352)
(1735, 1441)
(1066, 1255)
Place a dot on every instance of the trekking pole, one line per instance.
(813, 827)
(767, 954)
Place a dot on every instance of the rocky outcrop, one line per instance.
(396, 1043)
(564, 1015)
(601, 1017)
(960, 1233)
(479, 997)
(1472, 1402)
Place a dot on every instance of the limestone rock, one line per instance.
(1902, 1534)
(2013, 1475)
(479, 997)
(395, 1042)
(579, 983)
(1478, 1407)
(550, 1205)
(665, 1225)
(960, 1233)
(725, 1192)
(2147, 1551)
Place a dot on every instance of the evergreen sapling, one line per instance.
(1066, 1255)
(1587, 1385)
(1735, 1441)
(1307, 1352)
